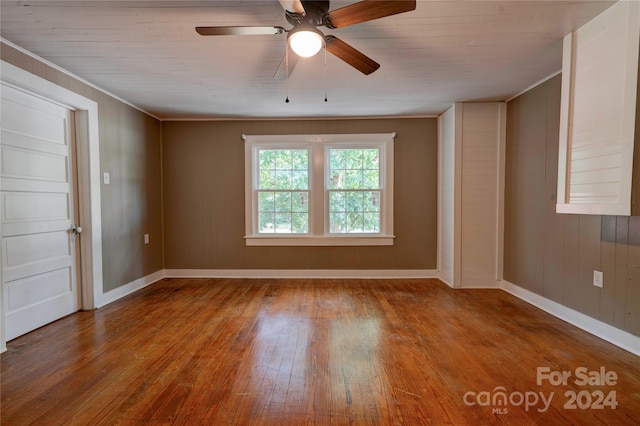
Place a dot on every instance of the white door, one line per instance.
(37, 208)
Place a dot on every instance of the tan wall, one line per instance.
(130, 152)
(551, 254)
(203, 169)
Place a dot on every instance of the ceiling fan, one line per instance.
(306, 40)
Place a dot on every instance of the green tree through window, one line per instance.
(319, 189)
(354, 190)
(283, 191)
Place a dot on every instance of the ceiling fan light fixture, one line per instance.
(306, 42)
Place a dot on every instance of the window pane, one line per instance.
(283, 179)
(266, 202)
(371, 222)
(283, 159)
(283, 169)
(300, 223)
(300, 202)
(354, 168)
(267, 160)
(266, 222)
(337, 201)
(353, 179)
(354, 211)
(336, 159)
(372, 201)
(267, 179)
(371, 158)
(283, 212)
(353, 159)
(338, 222)
(371, 179)
(354, 202)
(336, 180)
(300, 159)
(283, 202)
(355, 222)
(283, 223)
(300, 179)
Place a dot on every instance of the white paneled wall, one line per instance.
(446, 195)
(471, 156)
(598, 113)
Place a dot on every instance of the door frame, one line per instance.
(88, 162)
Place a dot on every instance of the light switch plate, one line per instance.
(106, 178)
(146, 238)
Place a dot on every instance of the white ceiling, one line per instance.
(148, 53)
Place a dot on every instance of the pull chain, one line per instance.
(325, 71)
(286, 59)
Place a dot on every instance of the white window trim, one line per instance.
(318, 214)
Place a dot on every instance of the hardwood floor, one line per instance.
(379, 352)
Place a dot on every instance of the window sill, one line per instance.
(369, 240)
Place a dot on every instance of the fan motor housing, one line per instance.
(315, 13)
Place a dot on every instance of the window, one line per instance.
(354, 190)
(283, 191)
(319, 189)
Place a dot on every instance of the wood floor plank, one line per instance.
(321, 352)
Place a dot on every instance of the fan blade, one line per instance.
(281, 72)
(353, 57)
(368, 10)
(213, 31)
(294, 6)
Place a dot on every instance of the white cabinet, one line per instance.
(471, 154)
(599, 114)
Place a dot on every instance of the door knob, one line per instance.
(75, 231)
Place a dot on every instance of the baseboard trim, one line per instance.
(301, 273)
(446, 281)
(479, 287)
(620, 338)
(127, 289)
